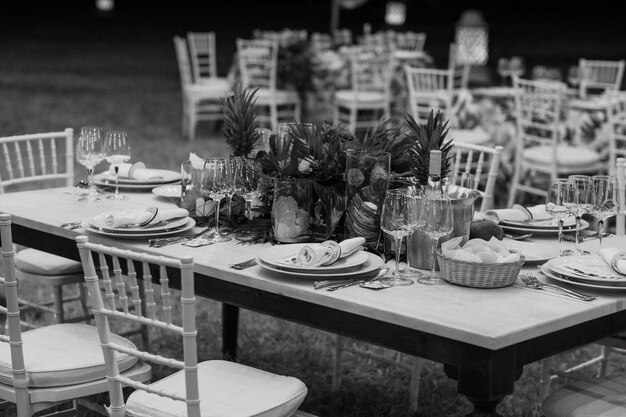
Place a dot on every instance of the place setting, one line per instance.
(136, 177)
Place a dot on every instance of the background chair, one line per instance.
(53, 365)
(616, 125)
(212, 387)
(429, 89)
(202, 101)
(258, 61)
(460, 73)
(538, 143)
(36, 161)
(599, 76)
(203, 55)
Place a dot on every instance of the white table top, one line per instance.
(489, 318)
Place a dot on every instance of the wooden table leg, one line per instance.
(230, 327)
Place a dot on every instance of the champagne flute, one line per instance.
(576, 201)
(438, 222)
(89, 153)
(556, 204)
(248, 179)
(215, 183)
(604, 200)
(398, 218)
(117, 152)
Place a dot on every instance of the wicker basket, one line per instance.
(479, 274)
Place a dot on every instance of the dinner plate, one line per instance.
(548, 272)
(148, 234)
(165, 174)
(593, 263)
(543, 232)
(540, 224)
(168, 191)
(99, 222)
(373, 264)
(534, 252)
(105, 180)
(274, 256)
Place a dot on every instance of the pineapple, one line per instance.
(240, 120)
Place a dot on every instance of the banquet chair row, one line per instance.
(202, 91)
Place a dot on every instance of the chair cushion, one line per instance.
(42, 263)
(63, 354)
(565, 155)
(602, 397)
(361, 96)
(227, 389)
(477, 136)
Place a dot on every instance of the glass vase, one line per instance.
(291, 210)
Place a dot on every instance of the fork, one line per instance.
(532, 282)
(159, 243)
(244, 264)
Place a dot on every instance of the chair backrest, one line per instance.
(203, 55)
(12, 312)
(616, 125)
(182, 57)
(620, 220)
(370, 71)
(258, 60)
(342, 37)
(460, 73)
(115, 305)
(321, 41)
(429, 89)
(600, 75)
(38, 159)
(483, 162)
(409, 41)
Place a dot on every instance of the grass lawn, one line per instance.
(48, 85)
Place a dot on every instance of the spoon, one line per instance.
(520, 237)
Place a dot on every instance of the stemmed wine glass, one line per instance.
(216, 181)
(90, 152)
(248, 180)
(576, 201)
(233, 164)
(438, 222)
(398, 218)
(117, 152)
(503, 69)
(603, 200)
(556, 204)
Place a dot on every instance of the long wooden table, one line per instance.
(483, 337)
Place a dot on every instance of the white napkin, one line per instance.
(327, 253)
(478, 250)
(517, 214)
(152, 216)
(136, 171)
(616, 258)
(196, 161)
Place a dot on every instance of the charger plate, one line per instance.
(190, 223)
(373, 264)
(274, 256)
(544, 232)
(99, 222)
(540, 224)
(549, 273)
(593, 264)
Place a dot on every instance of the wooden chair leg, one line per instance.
(414, 386)
(545, 379)
(605, 351)
(58, 304)
(339, 343)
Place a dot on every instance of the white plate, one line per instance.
(273, 257)
(168, 191)
(166, 174)
(534, 252)
(99, 222)
(546, 271)
(167, 232)
(593, 263)
(104, 180)
(372, 265)
(541, 224)
(543, 232)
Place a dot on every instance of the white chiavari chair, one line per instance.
(460, 73)
(203, 53)
(321, 41)
(213, 387)
(202, 101)
(43, 160)
(258, 62)
(616, 125)
(408, 45)
(430, 89)
(599, 76)
(53, 365)
(342, 37)
(538, 144)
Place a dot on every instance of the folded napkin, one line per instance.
(616, 258)
(148, 217)
(136, 171)
(478, 250)
(329, 252)
(196, 161)
(518, 213)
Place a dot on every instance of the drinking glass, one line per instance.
(517, 66)
(89, 153)
(418, 194)
(398, 218)
(556, 204)
(503, 69)
(233, 164)
(117, 152)
(576, 201)
(603, 200)
(216, 182)
(573, 75)
(438, 222)
(248, 179)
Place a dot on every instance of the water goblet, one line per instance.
(604, 200)
(117, 152)
(89, 153)
(215, 183)
(577, 202)
(418, 194)
(438, 222)
(556, 204)
(398, 218)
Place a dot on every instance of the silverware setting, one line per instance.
(160, 242)
(520, 237)
(379, 275)
(243, 265)
(72, 225)
(532, 282)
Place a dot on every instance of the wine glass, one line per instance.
(233, 164)
(89, 153)
(438, 222)
(517, 66)
(556, 204)
(117, 152)
(418, 194)
(398, 218)
(576, 201)
(503, 69)
(603, 200)
(248, 180)
(216, 181)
